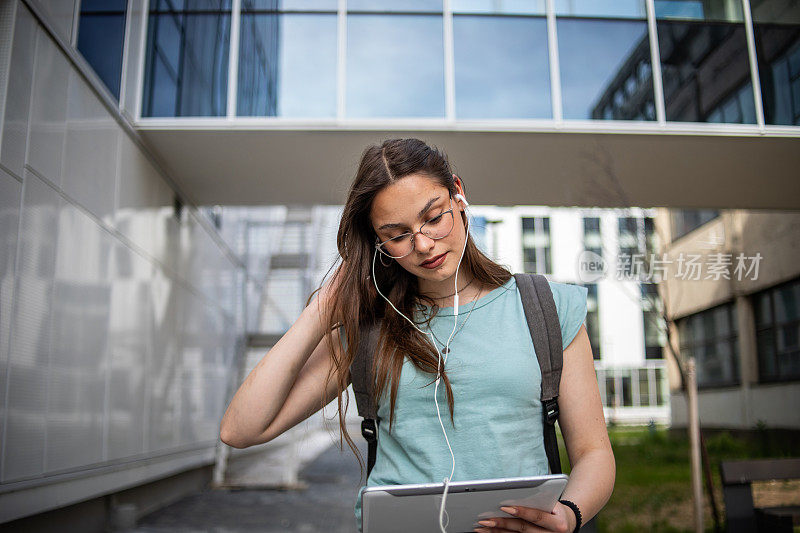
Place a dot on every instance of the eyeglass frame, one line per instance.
(379, 245)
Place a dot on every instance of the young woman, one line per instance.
(404, 235)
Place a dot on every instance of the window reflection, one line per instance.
(720, 10)
(602, 8)
(187, 58)
(289, 5)
(704, 62)
(502, 67)
(287, 64)
(776, 27)
(615, 80)
(101, 34)
(535, 7)
(395, 66)
(395, 5)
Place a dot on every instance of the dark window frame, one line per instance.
(732, 338)
(772, 327)
(546, 255)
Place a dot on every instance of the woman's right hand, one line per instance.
(289, 383)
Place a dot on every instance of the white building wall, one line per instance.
(621, 324)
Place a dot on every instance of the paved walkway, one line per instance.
(325, 506)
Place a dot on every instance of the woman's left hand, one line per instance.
(528, 519)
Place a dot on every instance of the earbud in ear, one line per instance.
(463, 200)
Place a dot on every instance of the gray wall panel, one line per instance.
(90, 153)
(48, 110)
(139, 195)
(163, 379)
(130, 343)
(120, 322)
(18, 93)
(29, 357)
(78, 363)
(10, 197)
(60, 15)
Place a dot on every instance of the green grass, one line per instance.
(653, 485)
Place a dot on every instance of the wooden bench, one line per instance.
(737, 478)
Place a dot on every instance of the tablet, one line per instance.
(403, 508)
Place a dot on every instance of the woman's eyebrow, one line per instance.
(419, 215)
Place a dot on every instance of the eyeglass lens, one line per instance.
(436, 228)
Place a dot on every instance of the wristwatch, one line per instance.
(575, 510)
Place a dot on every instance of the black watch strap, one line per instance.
(575, 510)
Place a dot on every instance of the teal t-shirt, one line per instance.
(496, 382)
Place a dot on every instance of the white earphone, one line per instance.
(442, 512)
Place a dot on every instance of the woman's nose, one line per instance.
(423, 243)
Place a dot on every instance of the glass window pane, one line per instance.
(611, 396)
(289, 5)
(287, 65)
(535, 7)
(721, 319)
(763, 310)
(644, 387)
(776, 27)
(194, 80)
(602, 8)
(705, 68)
(395, 66)
(163, 91)
(190, 5)
(659, 386)
(721, 10)
(394, 5)
(502, 67)
(767, 367)
(605, 84)
(100, 41)
(627, 396)
(88, 6)
(787, 303)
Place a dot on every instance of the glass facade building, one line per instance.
(669, 61)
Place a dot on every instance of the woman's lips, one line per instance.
(438, 260)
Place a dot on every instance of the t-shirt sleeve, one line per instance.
(571, 306)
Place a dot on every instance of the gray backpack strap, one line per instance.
(360, 370)
(545, 328)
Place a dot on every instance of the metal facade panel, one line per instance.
(10, 196)
(163, 384)
(18, 93)
(137, 197)
(48, 110)
(90, 153)
(29, 355)
(130, 342)
(79, 354)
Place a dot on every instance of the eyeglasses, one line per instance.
(435, 228)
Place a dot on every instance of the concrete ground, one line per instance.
(326, 505)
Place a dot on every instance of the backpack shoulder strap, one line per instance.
(360, 370)
(545, 328)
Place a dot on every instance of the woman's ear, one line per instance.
(460, 188)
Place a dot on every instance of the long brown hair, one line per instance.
(354, 302)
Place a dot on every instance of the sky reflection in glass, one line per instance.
(395, 66)
(287, 65)
(501, 67)
(602, 8)
(514, 7)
